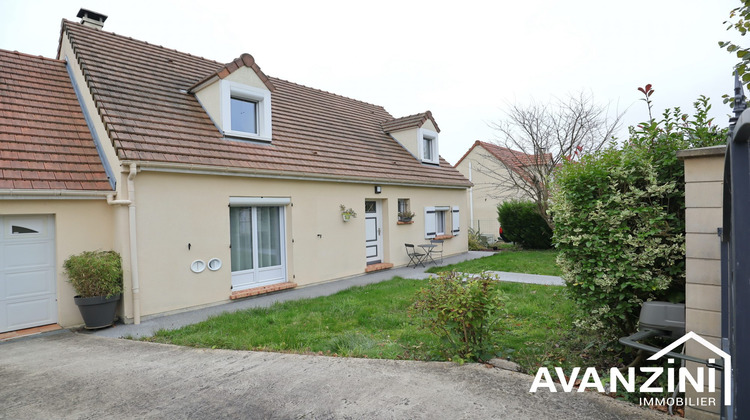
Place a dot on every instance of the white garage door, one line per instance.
(27, 272)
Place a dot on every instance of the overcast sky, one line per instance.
(463, 60)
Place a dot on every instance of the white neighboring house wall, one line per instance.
(487, 192)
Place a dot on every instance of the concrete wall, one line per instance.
(80, 225)
(410, 139)
(174, 210)
(487, 193)
(704, 173)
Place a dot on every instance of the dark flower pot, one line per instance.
(97, 311)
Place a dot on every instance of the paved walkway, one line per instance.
(528, 278)
(149, 325)
(68, 375)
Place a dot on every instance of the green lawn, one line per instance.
(530, 262)
(373, 321)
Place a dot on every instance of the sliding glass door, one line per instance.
(257, 242)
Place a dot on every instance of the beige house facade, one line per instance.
(213, 181)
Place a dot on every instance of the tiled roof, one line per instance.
(412, 121)
(140, 90)
(512, 159)
(45, 143)
(245, 60)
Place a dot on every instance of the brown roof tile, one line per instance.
(43, 133)
(139, 90)
(411, 121)
(512, 159)
(245, 60)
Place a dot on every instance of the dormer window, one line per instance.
(246, 111)
(429, 146)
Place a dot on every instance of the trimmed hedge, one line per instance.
(523, 224)
(620, 221)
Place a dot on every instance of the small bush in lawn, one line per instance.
(462, 310)
(523, 224)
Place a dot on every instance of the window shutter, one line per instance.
(429, 222)
(456, 220)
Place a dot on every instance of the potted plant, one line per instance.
(347, 214)
(96, 277)
(405, 216)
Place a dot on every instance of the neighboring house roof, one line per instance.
(512, 159)
(45, 143)
(412, 121)
(141, 92)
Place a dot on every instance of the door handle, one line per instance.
(379, 232)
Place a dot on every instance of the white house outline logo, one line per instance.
(727, 370)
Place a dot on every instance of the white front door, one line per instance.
(258, 250)
(373, 232)
(28, 295)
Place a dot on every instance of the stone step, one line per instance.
(255, 291)
(378, 267)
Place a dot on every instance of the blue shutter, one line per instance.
(456, 221)
(429, 222)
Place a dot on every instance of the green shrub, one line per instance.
(462, 310)
(614, 232)
(523, 224)
(476, 241)
(95, 273)
(619, 222)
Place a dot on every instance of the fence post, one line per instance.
(736, 257)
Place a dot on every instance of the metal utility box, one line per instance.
(663, 316)
(662, 319)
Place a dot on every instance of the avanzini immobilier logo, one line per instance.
(677, 378)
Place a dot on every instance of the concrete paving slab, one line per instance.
(528, 278)
(68, 375)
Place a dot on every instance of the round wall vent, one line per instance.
(197, 266)
(214, 264)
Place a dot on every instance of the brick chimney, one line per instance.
(91, 19)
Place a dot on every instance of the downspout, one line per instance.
(471, 197)
(130, 202)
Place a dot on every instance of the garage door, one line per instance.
(27, 272)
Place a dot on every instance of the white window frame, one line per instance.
(449, 214)
(423, 134)
(403, 205)
(441, 221)
(257, 276)
(261, 97)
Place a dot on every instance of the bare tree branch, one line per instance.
(540, 137)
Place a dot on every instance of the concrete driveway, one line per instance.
(70, 375)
